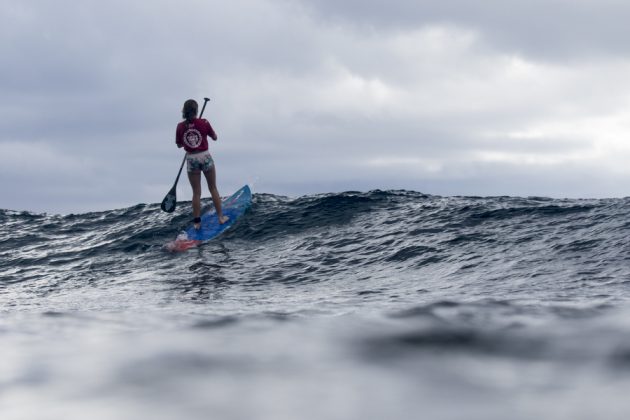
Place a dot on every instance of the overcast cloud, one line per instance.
(452, 97)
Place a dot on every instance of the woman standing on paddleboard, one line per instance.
(192, 134)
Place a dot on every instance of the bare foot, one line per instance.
(223, 219)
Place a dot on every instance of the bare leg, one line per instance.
(195, 183)
(211, 177)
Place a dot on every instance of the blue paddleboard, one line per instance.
(233, 207)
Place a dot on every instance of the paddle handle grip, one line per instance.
(203, 108)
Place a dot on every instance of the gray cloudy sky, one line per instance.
(492, 97)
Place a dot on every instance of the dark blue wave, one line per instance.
(455, 239)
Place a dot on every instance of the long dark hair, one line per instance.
(189, 111)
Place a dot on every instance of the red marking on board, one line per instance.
(180, 245)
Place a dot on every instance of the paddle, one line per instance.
(170, 201)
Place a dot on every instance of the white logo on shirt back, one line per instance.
(192, 138)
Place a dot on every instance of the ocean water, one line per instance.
(376, 305)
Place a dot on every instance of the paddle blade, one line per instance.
(169, 202)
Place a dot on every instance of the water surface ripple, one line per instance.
(385, 304)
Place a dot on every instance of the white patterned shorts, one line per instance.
(196, 162)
